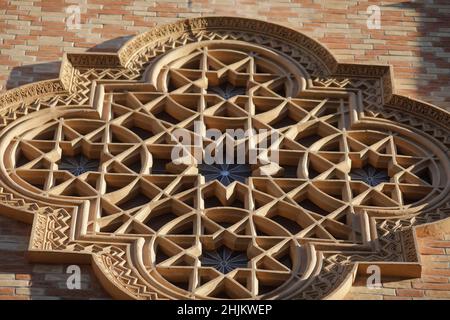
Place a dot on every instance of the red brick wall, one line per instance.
(414, 37)
(434, 283)
(22, 280)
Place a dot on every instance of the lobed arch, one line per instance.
(94, 179)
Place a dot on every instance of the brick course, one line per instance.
(20, 279)
(434, 283)
(414, 37)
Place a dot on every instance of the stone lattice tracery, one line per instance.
(100, 177)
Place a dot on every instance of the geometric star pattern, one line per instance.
(255, 230)
(326, 175)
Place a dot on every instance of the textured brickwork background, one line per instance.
(414, 37)
(434, 284)
(22, 280)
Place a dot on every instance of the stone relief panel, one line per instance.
(87, 159)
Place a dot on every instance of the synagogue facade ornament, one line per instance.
(87, 159)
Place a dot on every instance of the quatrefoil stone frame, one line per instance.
(302, 230)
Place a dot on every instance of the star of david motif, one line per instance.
(192, 230)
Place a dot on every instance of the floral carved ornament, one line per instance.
(86, 159)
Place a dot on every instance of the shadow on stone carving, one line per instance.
(38, 281)
(112, 45)
(49, 70)
(31, 73)
(429, 48)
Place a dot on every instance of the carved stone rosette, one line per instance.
(86, 158)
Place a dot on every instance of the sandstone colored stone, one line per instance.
(431, 68)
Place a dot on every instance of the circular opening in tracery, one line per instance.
(224, 259)
(370, 175)
(225, 173)
(78, 165)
